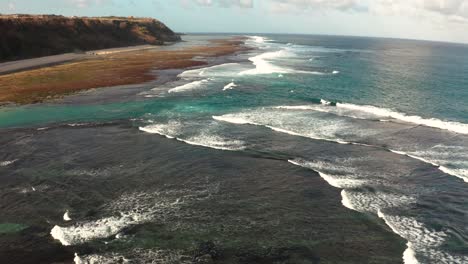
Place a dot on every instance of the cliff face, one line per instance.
(25, 36)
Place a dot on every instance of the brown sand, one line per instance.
(104, 71)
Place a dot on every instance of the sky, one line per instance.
(440, 20)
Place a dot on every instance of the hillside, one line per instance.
(30, 36)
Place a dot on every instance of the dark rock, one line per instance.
(29, 36)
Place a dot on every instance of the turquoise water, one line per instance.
(395, 110)
(417, 78)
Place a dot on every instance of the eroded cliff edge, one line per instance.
(30, 36)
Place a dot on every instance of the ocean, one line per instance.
(304, 149)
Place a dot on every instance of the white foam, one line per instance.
(173, 130)
(66, 216)
(349, 178)
(128, 210)
(420, 239)
(189, 86)
(345, 201)
(461, 173)
(264, 66)
(229, 86)
(325, 132)
(457, 127)
(337, 181)
(258, 39)
(367, 111)
(225, 69)
(372, 202)
(100, 259)
(214, 141)
(325, 108)
(232, 119)
(78, 124)
(7, 162)
(102, 228)
(457, 172)
(295, 107)
(335, 72)
(169, 130)
(409, 254)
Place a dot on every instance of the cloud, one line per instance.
(11, 6)
(311, 5)
(435, 10)
(449, 10)
(223, 3)
(86, 3)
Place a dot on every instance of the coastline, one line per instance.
(47, 61)
(106, 69)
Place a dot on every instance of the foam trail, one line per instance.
(232, 119)
(7, 162)
(418, 237)
(128, 210)
(188, 86)
(229, 86)
(243, 121)
(167, 130)
(215, 142)
(345, 201)
(414, 157)
(98, 259)
(357, 111)
(456, 127)
(173, 130)
(216, 70)
(101, 228)
(66, 216)
(409, 254)
(460, 173)
(263, 66)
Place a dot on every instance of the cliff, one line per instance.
(29, 36)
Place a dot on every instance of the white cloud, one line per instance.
(448, 10)
(86, 3)
(11, 6)
(310, 5)
(225, 3)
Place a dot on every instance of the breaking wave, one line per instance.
(456, 127)
(424, 244)
(7, 162)
(131, 209)
(230, 86)
(373, 112)
(189, 86)
(174, 130)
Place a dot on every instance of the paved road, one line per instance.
(14, 66)
(21, 65)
